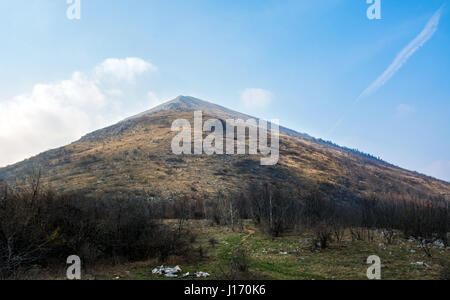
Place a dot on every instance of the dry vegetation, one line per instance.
(240, 255)
(39, 229)
(105, 197)
(134, 158)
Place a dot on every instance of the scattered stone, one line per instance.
(196, 275)
(167, 271)
(439, 244)
(176, 271)
(421, 263)
(202, 275)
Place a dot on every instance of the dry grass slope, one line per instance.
(135, 157)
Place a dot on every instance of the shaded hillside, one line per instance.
(135, 157)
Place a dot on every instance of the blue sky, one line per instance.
(303, 62)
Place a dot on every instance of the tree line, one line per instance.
(41, 227)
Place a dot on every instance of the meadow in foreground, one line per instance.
(251, 254)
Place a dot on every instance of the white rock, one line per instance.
(439, 244)
(202, 274)
(421, 263)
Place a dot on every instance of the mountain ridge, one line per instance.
(134, 156)
(188, 103)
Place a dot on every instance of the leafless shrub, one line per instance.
(426, 246)
(213, 242)
(38, 226)
(273, 209)
(445, 271)
(389, 235)
(277, 212)
(338, 232)
(238, 266)
(323, 237)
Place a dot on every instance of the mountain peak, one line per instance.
(182, 98)
(188, 103)
(191, 104)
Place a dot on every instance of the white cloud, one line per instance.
(404, 110)
(114, 92)
(123, 69)
(426, 34)
(54, 114)
(256, 98)
(153, 100)
(439, 169)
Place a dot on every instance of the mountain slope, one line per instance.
(135, 157)
(186, 103)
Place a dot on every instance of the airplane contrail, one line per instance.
(426, 34)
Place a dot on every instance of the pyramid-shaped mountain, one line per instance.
(134, 157)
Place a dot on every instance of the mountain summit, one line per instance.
(134, 157)
(190, 104)
(186, 103)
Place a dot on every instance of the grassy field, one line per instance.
(289, 258)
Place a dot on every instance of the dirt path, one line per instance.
(249, 234)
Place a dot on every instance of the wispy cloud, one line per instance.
(439, 169)
(123, 69)
(54, 114)
(404, 110)
(427, 33)
(256, 98)
(153, 100)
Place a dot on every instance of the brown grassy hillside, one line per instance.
(135, 157)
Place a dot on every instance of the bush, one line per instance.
(272, 209)
(323, 237)
(213, 242)
(445, 272)
(40, 227)
(238, 267)
(278, 212)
